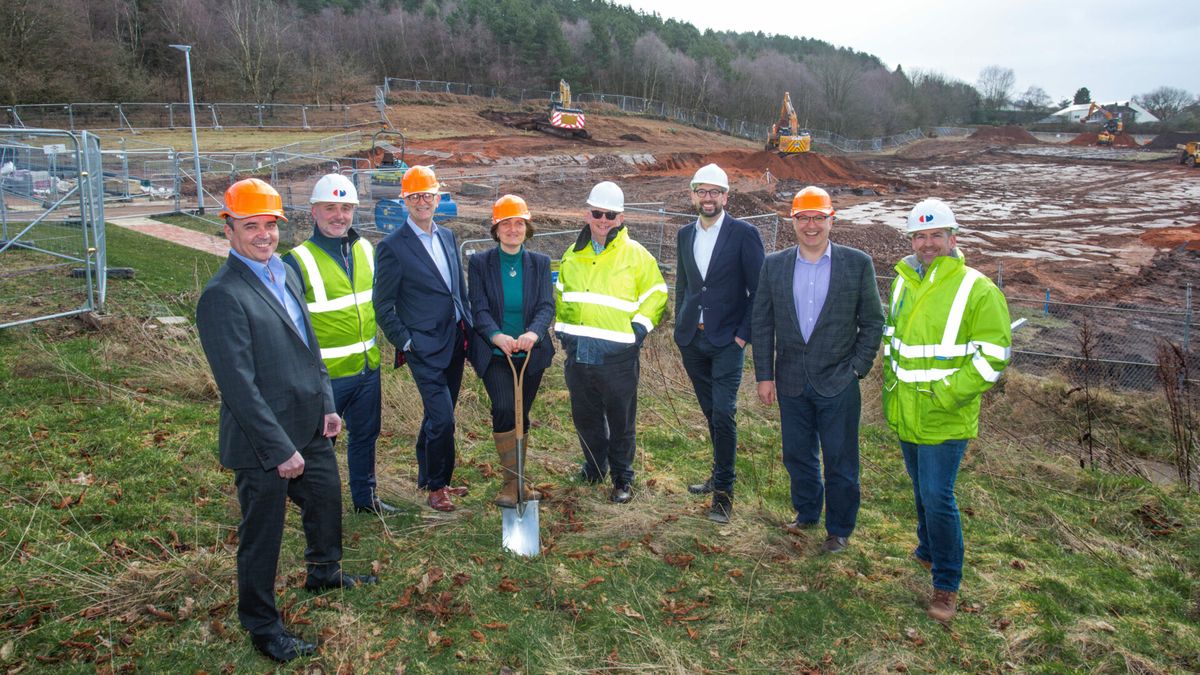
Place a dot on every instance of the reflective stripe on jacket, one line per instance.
(947, 339)
(602, 295)
(343, 316)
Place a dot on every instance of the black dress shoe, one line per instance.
(282, 646)
(342, 580)
(620, 494)
(377, 507)
(702, 488)
(722, 507)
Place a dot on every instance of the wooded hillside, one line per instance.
(335, 50)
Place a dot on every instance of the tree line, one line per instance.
(334, 51)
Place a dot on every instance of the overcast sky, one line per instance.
(1115, 48)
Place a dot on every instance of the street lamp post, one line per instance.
(187, 55)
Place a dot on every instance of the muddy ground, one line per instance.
(1098, 225)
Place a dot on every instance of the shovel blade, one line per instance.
(521, 530)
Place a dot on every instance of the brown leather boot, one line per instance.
(506, 447)
(944, 606)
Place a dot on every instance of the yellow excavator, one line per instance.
(1113, 124)
(796, 140)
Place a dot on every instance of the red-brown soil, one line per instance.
(810, 168)
(1090, 138)
(1173, 237)
(1005, 134)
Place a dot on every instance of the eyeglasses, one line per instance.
(819, 220)
(608, 215)
(422, 196)
(702, 193)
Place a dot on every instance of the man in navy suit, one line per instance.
(817, 325)
(719, 262)
(421, 305)
(277, 415)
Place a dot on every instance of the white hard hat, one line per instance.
(607, 196)
(711, 174)
(931, 214)
(334, 187)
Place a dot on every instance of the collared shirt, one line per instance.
(810, 285)
(433, 246)
(703, 245)
(273, 274)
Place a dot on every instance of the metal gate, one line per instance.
(52, 254)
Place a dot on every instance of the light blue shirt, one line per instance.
(274, 276)
(810, 285)
(433, 246)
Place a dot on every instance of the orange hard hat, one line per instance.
(812, 198)
(510, 206)
(418, 179)
(251, 197)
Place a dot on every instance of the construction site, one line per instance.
(1096, 247)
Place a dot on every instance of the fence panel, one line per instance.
(52, 247)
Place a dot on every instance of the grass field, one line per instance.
(119, 531)
(224, 140)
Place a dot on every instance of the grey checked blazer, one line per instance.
(844, 340)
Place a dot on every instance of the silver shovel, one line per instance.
(521, 529)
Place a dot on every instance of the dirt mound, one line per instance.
(632, 137)
(1187, 238)
(807, 167)
(1168, 140)
(1091, 138)
(1005, 134)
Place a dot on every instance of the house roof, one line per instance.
(1080, 109)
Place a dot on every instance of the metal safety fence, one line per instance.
(52, 246)
(145, 116)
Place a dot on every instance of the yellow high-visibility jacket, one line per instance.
(343, 316)
(946, 340)
(601, 297)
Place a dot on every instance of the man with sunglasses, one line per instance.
(421, 305)
(719, 262)
(609, 295)
(817, 325)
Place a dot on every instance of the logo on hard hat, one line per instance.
(927, 218)
(339, 193)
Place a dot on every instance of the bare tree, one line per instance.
(996, 86)
(1164, 102)
(257, 51)
(837, 76)
(1034, 98)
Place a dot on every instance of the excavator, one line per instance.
(1113, 124)
(793, 142)
(561, 120)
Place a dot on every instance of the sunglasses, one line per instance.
(608, 215)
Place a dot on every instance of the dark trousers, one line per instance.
(716, 374)
(263, 498)
(604, 409)
(814, 426)
(357, 398)
(498, 380)
(439, 395)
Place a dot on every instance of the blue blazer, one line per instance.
(727, 295)
(487, 306)
(411, 299)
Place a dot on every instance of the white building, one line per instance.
(1130, 112)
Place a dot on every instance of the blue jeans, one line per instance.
(357, 398)
(933, 470)
(813, 424)
(716, 374)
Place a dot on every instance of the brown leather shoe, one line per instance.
(439, 500)
(797, 527)
(944, 606)
(457, 491)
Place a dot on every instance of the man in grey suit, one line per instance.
(277, 415)
(817, 325)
